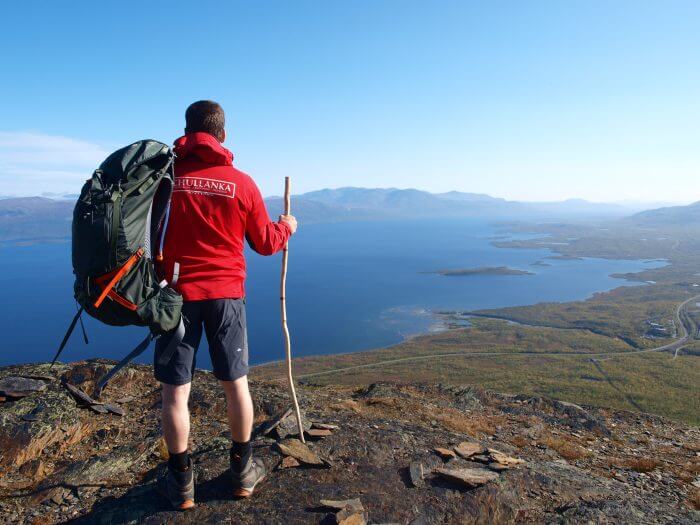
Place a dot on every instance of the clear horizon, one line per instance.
(629, 202)
(529, 102)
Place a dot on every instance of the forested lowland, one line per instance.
(635, 347)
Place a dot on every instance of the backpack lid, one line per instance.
(124, 162)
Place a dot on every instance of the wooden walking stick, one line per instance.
(285, 329)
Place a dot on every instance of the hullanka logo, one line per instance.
(205, 186)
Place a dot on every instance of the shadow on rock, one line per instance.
(136, 505)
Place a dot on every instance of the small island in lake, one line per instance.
(486, 270)
(564, 257)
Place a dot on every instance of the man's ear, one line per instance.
(223, 136)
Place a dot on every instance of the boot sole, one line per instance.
(185, 505)
(246, 493)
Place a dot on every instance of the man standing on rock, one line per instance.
(214, 209)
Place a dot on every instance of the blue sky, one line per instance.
(519, 99)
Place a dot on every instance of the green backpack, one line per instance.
(119, 225)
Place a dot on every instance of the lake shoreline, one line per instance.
(350, 290)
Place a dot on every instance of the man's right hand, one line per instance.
(290, 221)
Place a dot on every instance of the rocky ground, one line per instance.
(381, 453)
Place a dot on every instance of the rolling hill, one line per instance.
(672, 215)
(38, 218)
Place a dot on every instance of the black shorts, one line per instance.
(224, 324)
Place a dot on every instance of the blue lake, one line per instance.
(351, 286)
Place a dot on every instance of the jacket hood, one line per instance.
(203, 146)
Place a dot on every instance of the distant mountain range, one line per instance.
(37, 218)
(669, 216)
(392, 203)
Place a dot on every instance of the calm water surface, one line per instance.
(351, 286)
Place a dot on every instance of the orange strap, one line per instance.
(119, 299)
(115, 277)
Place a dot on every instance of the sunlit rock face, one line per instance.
(377, 453)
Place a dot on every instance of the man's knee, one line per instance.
(236, 389)
(176, 395)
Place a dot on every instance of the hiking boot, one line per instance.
(178, 487)
(245, 480)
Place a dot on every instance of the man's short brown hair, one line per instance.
(205, 116)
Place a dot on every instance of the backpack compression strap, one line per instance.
(112, 278)
(65, 337)
(141, 348)
(82, 326)
(176, 337)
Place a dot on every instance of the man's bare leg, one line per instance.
(178, 484)
(246, 471)
(239, 409)
(175, 417)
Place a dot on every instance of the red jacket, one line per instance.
(214, 207)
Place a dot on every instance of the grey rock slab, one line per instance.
(504, 459)
(468, 477)
(288, 426)
(355, 504)
(270, 425)
(481, 458)
(97, 406)
(300, 452)
(18, 387)
(348, 517)
(445, 453)
(467, 449)
(79, 395)
(318, 433)
(289, 462)
(324, 426)
(40, 377)
(115, 409)
(417, 473)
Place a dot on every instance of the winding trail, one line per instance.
(684, 321)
